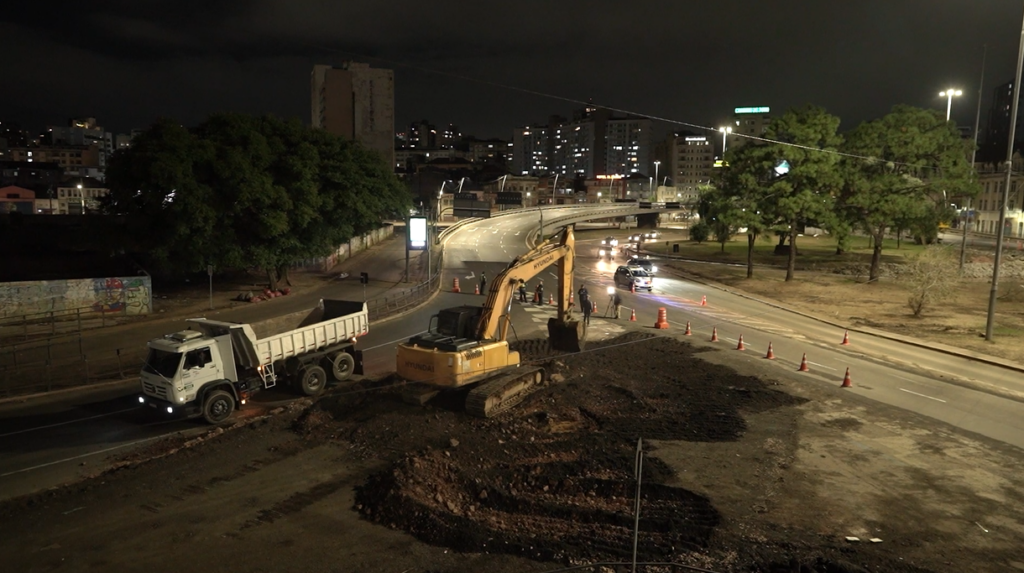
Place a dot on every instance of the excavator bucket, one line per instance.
(567, 335)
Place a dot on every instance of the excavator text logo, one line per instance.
(471, 354)
(544, 261)
(418, 366)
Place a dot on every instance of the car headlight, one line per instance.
(654, 269)
(170, 410)
(601, 252)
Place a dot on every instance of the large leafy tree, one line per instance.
(805, 139)
(901, 168)
(744, 181)
(241, 191)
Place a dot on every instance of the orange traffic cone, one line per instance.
(632, 287)
(770, 355)
(476, 289)
(740, 345)
(662, 322)
(846, 338)
(594, 307)
(687, 333)
(803, 364)
(704, 300)
(551, 299)
(714, 334)
(847, 383)
(632, 315)
(570, 298)
(455, 285)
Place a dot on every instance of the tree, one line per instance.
(931, 276)
(700, 231)
(744, 181)
(914, 156)
(807, 141)
(241, 191)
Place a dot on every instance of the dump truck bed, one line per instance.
(331, 322)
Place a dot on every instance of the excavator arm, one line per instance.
(566, 334)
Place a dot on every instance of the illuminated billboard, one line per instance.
(417, 233)
(741, 110)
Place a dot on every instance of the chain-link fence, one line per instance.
(64, 362)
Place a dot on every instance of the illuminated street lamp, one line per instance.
(656, 164)
(948, 94)
(725, 133)
(81, 196)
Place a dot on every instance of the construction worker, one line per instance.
(539, 292)
(584, 298)
(483, 282)
(522, 291)
(617, 304)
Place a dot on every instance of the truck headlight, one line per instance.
(142, 400)
(181, 398)
(654, 269)
(170, 410)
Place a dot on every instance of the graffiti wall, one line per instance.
(118, 295)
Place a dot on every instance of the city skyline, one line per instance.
(129, 64)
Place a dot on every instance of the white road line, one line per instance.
(72, 458)
(822, 365)
(921, 395)
(68, 422)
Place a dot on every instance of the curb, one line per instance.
(99, 385)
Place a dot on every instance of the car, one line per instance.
(610, 241)
(645, 264)
(634, 277)
(606, 252)
(652, 236)
(635, 238)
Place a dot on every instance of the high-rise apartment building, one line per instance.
(595, 142)
(356, 102)
(748, 121)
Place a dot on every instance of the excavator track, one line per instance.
(499, 394)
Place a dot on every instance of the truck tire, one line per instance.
(312, 379)
(342, 366)
(218, 406)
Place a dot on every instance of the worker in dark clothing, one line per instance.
(483, 282)
(539, 293)
(585, 303)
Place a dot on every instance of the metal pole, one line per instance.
(974, 154)
(636, 507)
(949, 103)
(993, 294)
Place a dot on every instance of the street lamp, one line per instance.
(948, 94)
(656, 164)
(82, 197)
(725, 133)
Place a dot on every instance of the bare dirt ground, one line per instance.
(746, 472)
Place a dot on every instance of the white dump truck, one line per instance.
(214, 366)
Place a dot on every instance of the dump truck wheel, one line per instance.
(218, 406)
(312, 380)
(342, 366)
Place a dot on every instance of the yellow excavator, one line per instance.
(466, 346)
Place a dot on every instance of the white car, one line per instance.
(635, 276)
(645, 264)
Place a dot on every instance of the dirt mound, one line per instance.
(554, 479)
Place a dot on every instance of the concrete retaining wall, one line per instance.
(115, 295)
(346, 250)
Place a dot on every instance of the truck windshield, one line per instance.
(162, 362)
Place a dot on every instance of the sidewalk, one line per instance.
(119, 350)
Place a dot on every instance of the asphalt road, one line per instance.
(45, 442)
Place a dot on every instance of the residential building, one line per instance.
(15, 199)
(422, 135)
(595, 142)
(487, 150)
(71, 158)
(37, 176)
(356, 102)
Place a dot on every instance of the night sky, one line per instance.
(128, 62)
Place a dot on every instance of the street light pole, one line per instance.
(656, 164)
(948, 94)
(974, 155)
(725, 132)
(1006, 192)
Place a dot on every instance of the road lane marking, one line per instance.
(921, 395)
(26, 430)
(822, 365)
(72, 458)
